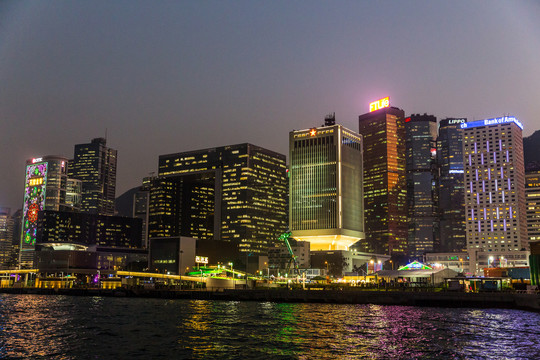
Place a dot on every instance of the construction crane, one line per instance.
(292, 259)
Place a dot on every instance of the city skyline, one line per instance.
(249, 73)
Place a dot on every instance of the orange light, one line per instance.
(313, 132)
(379, 104)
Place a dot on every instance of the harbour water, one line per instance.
(70, 327)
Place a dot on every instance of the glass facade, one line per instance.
(326, 197)
(95, 165)
(385, 192)
(251, 191)
(422, 179)
(451, 186)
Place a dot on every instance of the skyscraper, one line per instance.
(422, 178)
(95, 165)
(251, 191)
(532, 198)
(326, 201)
(451, 196)
(494, 185)
(6, 238)
(385, 192)
(45, 189)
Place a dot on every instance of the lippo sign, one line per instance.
(379, 104)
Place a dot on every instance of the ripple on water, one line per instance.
(95, 328)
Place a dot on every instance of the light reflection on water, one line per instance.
(36, 326)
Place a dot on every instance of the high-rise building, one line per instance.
(183, 205)
(532, 198)
(95, 165)
(451, 196)
(422, 179)
(326, 200)
(6, 238)
(45, 189)
(494, 185)
(385, 192)
(251, 191)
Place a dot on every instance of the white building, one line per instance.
(494, 188)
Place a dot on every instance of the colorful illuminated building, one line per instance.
(385, 192)
(422, 179)
(95, 165)
(451, 188)
(326, 200)
(494, 186)
(45, 189)
(250, 191)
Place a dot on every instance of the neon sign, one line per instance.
(34, 200)
(456, 172)
(456, 121)
(35, 160)
(379, 104)
(494, 121)
(313, 132)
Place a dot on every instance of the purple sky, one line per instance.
(165, 77)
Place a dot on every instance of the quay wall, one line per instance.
(522, 301)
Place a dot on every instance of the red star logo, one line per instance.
(313, 132)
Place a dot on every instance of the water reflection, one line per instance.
(88, 328)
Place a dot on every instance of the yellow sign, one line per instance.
(379, 104)
(201, 259)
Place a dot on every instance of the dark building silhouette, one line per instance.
(452, 235)
(82, 230)
(422, 178)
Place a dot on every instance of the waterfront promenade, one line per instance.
(508, 300)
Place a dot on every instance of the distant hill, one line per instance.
(124, 203)
(531, 151)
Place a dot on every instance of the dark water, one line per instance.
(60, 327)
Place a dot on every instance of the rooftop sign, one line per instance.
(494, 121)
(379, 104)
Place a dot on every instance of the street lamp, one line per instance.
(232, 270)
(326, 263)
(392, 263)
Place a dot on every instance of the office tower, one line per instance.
(141, 202)
(422, 179)
(183, 205)
(250, 191)
(6, 238)
(451, 196)
(45, 189)
(494, 185)
(326, 200)
(532, 198)
(385, 192)
(95, 165)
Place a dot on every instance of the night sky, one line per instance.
(163, 77)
